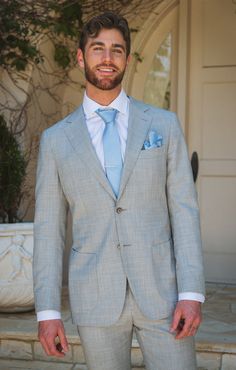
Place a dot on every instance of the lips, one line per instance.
(106, 69)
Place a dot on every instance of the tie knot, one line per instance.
(107, 115)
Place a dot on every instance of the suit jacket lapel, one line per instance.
(139, 123)
(77, 132)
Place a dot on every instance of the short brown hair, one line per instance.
(106, 20)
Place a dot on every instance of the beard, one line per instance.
(104, 83)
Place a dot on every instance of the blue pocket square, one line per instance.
(155, 141)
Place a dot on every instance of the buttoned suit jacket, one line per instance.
(149, 234)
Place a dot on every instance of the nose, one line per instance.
(107, 55)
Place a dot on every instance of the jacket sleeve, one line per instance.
(49, 230)
(184, 214)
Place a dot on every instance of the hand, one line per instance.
(48, 331)
(186, 319)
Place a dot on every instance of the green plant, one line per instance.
(12, 174)
(22, 22)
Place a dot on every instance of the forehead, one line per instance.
(108, 37)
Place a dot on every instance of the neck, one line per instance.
(102, 97)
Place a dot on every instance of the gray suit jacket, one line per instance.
(149, 235)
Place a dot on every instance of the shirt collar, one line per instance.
(120, 103)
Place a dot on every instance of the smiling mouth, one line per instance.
(106, 69)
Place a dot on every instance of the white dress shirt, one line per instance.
(96, 127)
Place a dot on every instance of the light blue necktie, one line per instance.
(112, 149)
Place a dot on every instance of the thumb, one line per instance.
(63, 340)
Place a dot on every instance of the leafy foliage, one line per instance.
(22, 22)
(12, 173)
(62, 55)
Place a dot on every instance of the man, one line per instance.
(122, 168)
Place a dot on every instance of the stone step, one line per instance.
(39, 365)
(215, 342)
(20, 353)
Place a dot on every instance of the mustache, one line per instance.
(111, 65)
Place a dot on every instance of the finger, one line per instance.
(195, 325)
(63, 340)
(54, 351)
(192, 331)
(185, 330)
(43, 341)
(180, 326)
(175, 321)
(190, 328)
(49, 346)
(44, 345)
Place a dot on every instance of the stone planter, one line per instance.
(16, 281)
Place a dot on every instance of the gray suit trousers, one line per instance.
(109, 347)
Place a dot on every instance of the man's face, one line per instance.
(104, 59)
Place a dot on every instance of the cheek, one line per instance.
(93, 60)
(120, 62)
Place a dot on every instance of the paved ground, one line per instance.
(215, 341)
(219, 317)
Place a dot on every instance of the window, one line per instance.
(158, 83)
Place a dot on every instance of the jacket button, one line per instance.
(119, 210)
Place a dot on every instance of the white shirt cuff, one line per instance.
(48, 315)
(191, 296)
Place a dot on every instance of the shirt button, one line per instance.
(119, 210)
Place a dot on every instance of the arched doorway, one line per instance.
(152, 75)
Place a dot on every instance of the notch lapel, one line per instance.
(78, 135)
(139, 123)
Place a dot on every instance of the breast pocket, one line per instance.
(150, 172)
(152, 152)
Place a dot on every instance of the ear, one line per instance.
(128, 59)
(80, 58)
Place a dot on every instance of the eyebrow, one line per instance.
(102, 44)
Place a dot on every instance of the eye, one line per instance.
(97, 48)
(117, 51)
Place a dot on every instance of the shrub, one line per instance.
(12, 174)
